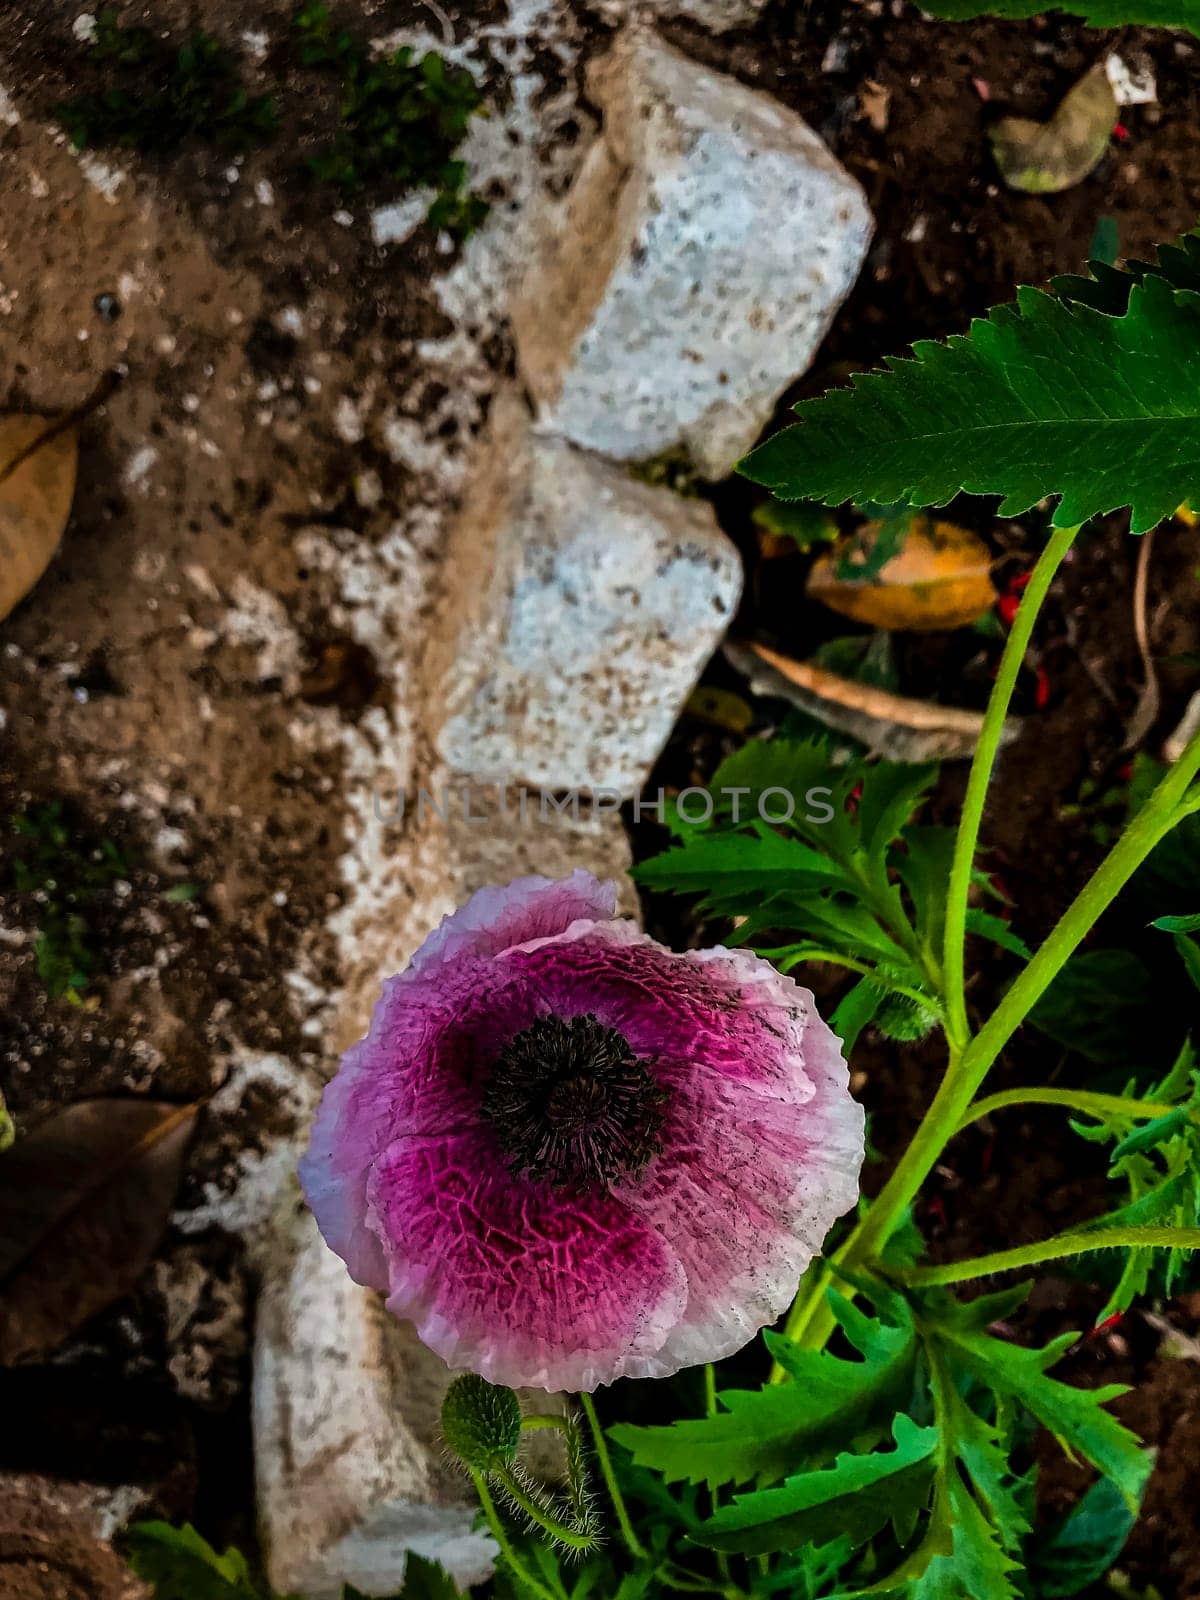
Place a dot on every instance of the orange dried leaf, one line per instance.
(37, 485)
(940, 579)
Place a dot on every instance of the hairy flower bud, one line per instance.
(481, 1423)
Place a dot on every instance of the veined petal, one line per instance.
(520, 1284)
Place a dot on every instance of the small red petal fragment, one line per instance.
(1120, 131)
(1042, 693)
(1006, 608)
(982, 88)
(1109, 1323)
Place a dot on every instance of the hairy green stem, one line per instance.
(572, 1534)
(1084, 1100)
(1079, 1243)
(632, 1543)
(967, 841)
(500, 1534)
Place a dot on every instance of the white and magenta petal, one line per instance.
(516, 1282)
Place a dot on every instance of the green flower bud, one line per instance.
(481, 1423)
(904, 1019)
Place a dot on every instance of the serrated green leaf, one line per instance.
(1096, 13)
(765, 1433)
(975, 1567)
(1081, 1548)
(924, 869)
(998, 931)
(735, 869)
(1075, 1416)
(179, 1564)
(1042, 397)
(426, 1580)
(857, 1496)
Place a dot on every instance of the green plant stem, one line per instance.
(967, 840)
(536, 1420)
(500, 1534)
(632, 1543)
(1084, 1100)
(575, 1538)
(863, 968)
(810, 1318)
(1079, 1243)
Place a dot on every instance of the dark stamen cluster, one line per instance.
(571, 1103)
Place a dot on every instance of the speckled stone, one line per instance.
(694, 267)
(610, 595)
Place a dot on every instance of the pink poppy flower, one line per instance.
(568, 1154)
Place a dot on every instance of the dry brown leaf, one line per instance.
(940, 579)
(1046, 157)
(890, 725)
(84, 1202)
(37, 485)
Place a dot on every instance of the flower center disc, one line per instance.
(571, 1103)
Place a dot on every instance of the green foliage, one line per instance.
(1047, 396)
(1080, 1549)
(898, 1473)
(71, 880)
(803, 521)
(1157, 1165)
(849, 878)
(400, 119)
(761, 1434)
(1096, 1006)
(160, 99)
(1096, 13)
(856, 1497)
(179, 1564)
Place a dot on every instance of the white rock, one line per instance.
(351, 1473)
(608, 597)
(694, 267)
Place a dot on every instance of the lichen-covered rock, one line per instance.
(608, 596)
(694, 267)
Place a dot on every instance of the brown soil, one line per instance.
(242, 325)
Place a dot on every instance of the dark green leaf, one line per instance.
(1076, 1417)
(1096, 1005)
(1096, 13)
(1043, 397)
(998, 931)
(1190, 924)
(857, 1496)
(737, 867)
(830, 1404)
(1080, 1549)
(178, 1564)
